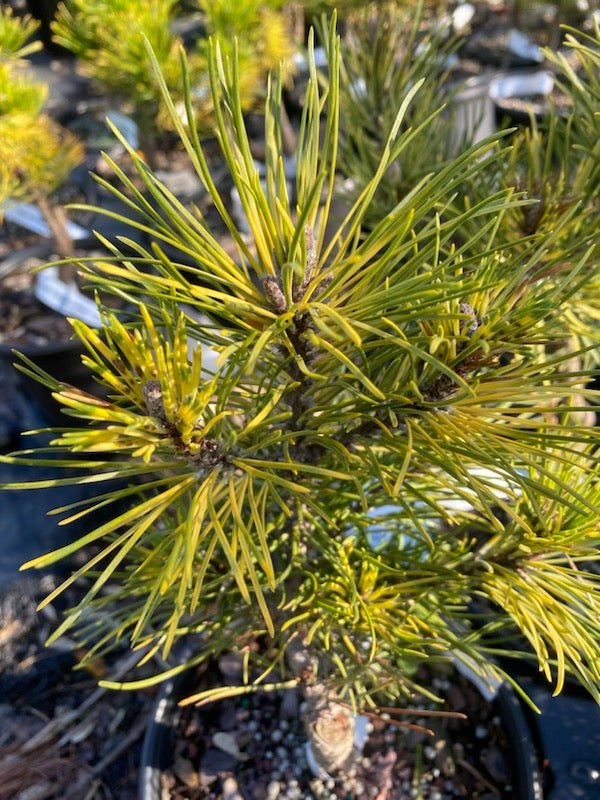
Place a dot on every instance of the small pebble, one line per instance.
(273, 790)
(277, 735)
(429, 752)
(231, 790)
(231, 666)
(481, 732)
(449, 767)
(458, 750)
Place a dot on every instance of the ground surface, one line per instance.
(61, 738)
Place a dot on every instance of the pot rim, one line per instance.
(165, 716)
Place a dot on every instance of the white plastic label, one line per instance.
(30, 217)
(126, 126)
(65, 298)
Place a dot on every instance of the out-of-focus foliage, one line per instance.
(36, 154)
(109, 36)
(15, 33)
(258, 32)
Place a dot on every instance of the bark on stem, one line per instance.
(329, 725)
(57, 220)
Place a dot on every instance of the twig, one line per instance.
(421, 712)
(133, 735)
(80, 788)
(92, 793)
(470, 768)
(60, 724)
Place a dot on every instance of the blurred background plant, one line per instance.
(109, 38)
(263, 41)
(16, 34)
(386, 50)
(36, 154)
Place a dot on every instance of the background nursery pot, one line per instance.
(518, 96)
(60, 358)
(162, 757)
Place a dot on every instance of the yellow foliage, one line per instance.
(263, 44)
(14, 33)
(36, 154)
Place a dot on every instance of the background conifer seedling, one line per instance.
(36, 153)
(108, 37)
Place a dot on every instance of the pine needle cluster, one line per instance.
(388, 462)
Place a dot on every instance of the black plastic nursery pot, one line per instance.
(519, 96)
(61, 359)
(160, 743)
(157, 749)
